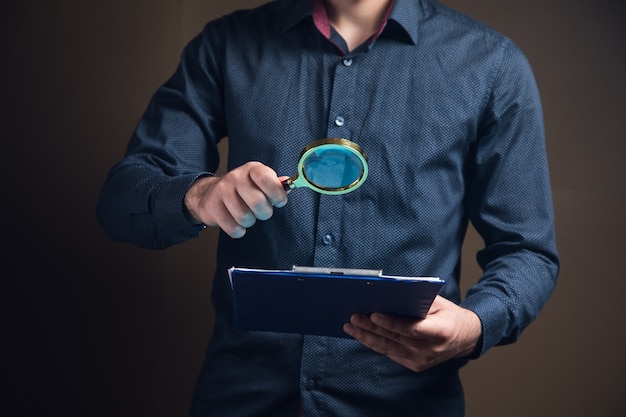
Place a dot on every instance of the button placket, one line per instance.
(342, 98)
(341, 108)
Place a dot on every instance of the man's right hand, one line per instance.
(237, 200)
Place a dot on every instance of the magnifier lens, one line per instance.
(333, 168)
(330, 166)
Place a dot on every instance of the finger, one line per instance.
(408, 353)
(371, 339)
(234, 230)
(257, 205)
(229, 211)
(254, 191)
(227, 222)
(405, 326)
(239, 210)
(363, 322)
(391, 347)
(428, 327)
(269, 183)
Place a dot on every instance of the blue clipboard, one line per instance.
(318, 301)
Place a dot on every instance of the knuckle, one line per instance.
(280, 202)
(232, 177)
(418, 367)
(396, 337)
(246, 220)
(258, 171)
(414, 332)
(237, 232)
(264, 211)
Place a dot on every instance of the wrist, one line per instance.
(472, 329)
(193, 203)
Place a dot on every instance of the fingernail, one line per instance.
(376, 319)
(280, 204)
(358, 319)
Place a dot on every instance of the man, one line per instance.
(449, 115)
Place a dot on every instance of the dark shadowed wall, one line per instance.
(90, 327)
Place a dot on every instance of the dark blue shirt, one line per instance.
(449, 115)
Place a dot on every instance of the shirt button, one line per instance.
(309, 385)
(327, 239)
(339, 121)
(347, 62)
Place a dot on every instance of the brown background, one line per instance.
(95, 328)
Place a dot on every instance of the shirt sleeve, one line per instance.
(174, 143)
(510, 205)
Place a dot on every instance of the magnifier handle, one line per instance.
(288, 184)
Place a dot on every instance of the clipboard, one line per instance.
(318, 301)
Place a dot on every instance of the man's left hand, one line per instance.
(448, 331)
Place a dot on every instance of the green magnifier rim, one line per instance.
(331, 143)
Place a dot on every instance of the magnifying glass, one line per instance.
(330, 166)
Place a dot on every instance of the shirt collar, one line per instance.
(405, 15)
